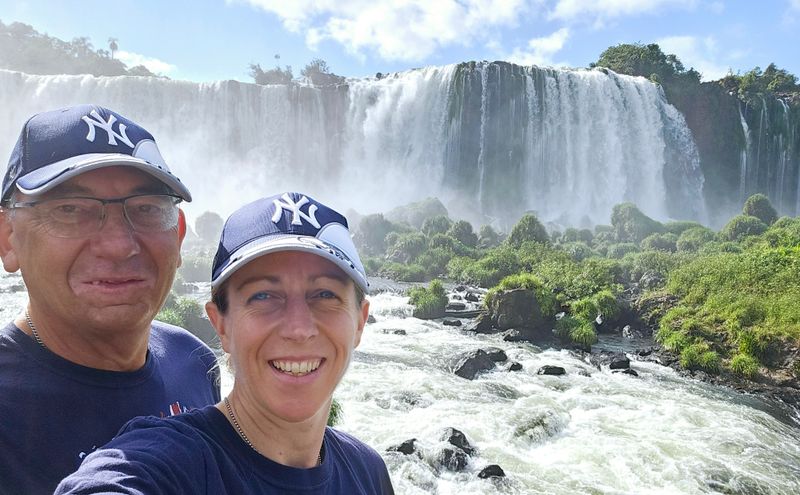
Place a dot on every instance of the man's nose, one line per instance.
(116, 238)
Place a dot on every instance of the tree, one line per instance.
(112, 45)
(462, 231)
(436, 225)
(271, 76)
(318, 72)
(759, 206)
(647, 61)
(209, 227)
(529, 228)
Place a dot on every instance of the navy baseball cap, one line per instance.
(56, 146)
(286, 222)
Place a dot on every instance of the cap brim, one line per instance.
(292, 242)
(45, 178)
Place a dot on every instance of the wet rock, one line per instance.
(452, 459)
(627, 371)
(492, 471)
(460, 288)
(632, 333)
(472, 297)
(551, 370)
(451, 323)
(456, 297)
(394, 331)
(407, 448)
(469, 365)
(614, 360)
(516, 308)
(455, 306)
(651, 280)
(481, 324)
(371, 319)
(515, 366)
(457, 438)
(496, 354)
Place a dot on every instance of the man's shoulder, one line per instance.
(168, 337)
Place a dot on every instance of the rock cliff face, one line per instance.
(745, 147)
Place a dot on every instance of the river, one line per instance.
(587, 432)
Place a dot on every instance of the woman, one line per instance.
(288, 305)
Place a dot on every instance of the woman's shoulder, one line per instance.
(349, 444)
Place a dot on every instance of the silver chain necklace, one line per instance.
(33, 330)
(247, 440)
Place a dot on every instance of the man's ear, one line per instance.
(7, 251)
(181, 233)
(218, 322)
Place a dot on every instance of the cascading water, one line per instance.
(491, 140)
(771, 157)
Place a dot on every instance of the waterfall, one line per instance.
(771, 158)
(491, 140)
(743, 158)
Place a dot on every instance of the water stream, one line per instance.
(586, 432)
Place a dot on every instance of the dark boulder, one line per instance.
(481, 324)
(452, 459)
(551, 370)
(408, 447)
(516, 308)
(371, 319)
(456, 438)
(472, 297)
(451, 323)
(496, 354)
(455, 306)
(492, 471)
(469, 365)
(627, 371)
(515, 366)
(613, 360)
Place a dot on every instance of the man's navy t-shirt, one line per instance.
(54, 412)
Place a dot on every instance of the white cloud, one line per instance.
(154, 65)
(405, 30)
(602, 10)
(700, 53)
(540, 51)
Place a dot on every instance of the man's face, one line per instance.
(113, 280)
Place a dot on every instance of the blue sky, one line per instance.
(207, 40)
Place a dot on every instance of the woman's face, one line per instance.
(291, 327)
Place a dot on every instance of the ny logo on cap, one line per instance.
(98, 121)
(294, 208)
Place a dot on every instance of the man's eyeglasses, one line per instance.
(78, 217)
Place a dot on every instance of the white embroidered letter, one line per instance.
(293, 207)
(97, 121)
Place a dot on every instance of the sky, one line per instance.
(208, 40)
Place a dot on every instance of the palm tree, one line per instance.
(112, 45)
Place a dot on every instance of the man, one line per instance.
(90, 218)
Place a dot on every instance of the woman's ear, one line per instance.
(218, 321)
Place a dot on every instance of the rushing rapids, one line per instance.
(492, 140)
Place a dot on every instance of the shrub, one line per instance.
(742, 226)
(404, 273)
(428, 302)
(407, 247)
(529, 281)
(692, 239)
(462, 231)
(584, 335)
(371, 234)
(578, 250)
(698, 356)
(441, 241)
(491, 269)
(584, 309)
(606, 303)
(617, 251)
(529, 228)
(759, 206)
(660, 242)
(435, 261)
(631, 225)
(436, 225)
(744, 365)
(336, 413)
(488, 237)
(177, 311)
(680, 226)
(209, 227)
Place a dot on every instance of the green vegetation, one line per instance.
(733, 294)
(428, 302)
(24, 49)
(178, 311)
